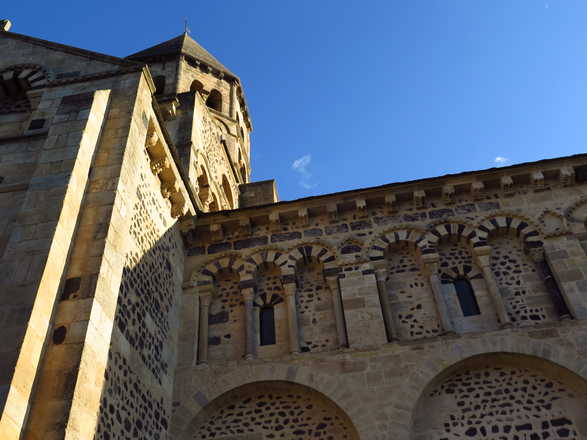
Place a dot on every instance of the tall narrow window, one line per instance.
(197, 86)
(466, 297)
(267, 325)
(159, 82)
(214, 100)
(554, 290)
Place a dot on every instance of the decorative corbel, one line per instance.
(567, 176)
(477, 190)
(448, 194)
(419, 198)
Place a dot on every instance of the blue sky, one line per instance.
(351, 94)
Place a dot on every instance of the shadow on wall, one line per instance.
(504, 396)
(136, 398)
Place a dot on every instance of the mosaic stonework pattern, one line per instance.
(226, 320)
(410, 296)
(148, 287)
(455, 259)
(140, 343)
(500, 403)
(316, 309)
(516, 274)
(277, 411)
(128, 409)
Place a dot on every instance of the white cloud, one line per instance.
(500, 160)
(301, 163)
(301, 166)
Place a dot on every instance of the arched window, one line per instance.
(466, 297)
(197, 86)
(214, 100)
(267, 325)
(213, 204)
(227, 191)
(159, 82)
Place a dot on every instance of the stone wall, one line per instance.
(377, 321)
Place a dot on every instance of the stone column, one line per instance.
(205, 298)
(233, 100)
(338, 312)
(482, 255)
(431, 262)
(292, 317)
(390, 324)
(250, 336)
(190, 324)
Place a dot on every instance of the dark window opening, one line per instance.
(466, 296)
(197, 86)
(59, 335)
(159, 82)
(214, 100)
(554, 291)
(267, 325)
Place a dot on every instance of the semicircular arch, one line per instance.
(376, 249)
(499, 394)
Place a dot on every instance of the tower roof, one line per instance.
(181, 45)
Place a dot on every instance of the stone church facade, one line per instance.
(149, 290)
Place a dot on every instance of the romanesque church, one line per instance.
(150, 290)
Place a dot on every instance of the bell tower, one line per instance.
(206, 116)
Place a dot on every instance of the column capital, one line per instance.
(289, 289)
(248, 293)
(205, 297)
(190, 288)
(537, 254)
(430, 259)
(482, 250)
(380, 272)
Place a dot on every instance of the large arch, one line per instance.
(502, 396)
(275, 409)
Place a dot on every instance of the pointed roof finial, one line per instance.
(186, 29)
(5, 25)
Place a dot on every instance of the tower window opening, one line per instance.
(267, 325)
(466, 297)
(227, 192)
(214, 100)
(197, 86)
(159, 82)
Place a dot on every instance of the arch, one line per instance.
(270, 295)
(253, 262)
(473, 398)
(521, 272)
(227, 191)
(214, 100)
(445, 230)
(226, 318)
(197, 86)
(304, 252)
(576, 212)
(272, 403)
(213, 206)
(15, 82)
(207, 274)
(553, 223)
(316, 298)
(528, 233)
(376, 250)
(159, 82)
